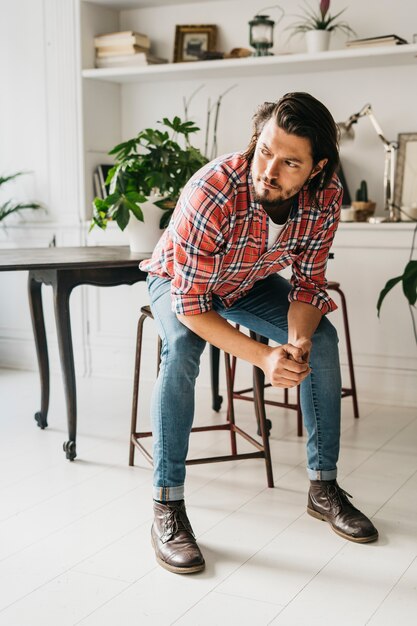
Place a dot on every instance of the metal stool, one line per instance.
(263, 450)
(242, 393)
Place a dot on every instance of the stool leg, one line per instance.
(349, 353)
(158, 358)
(133, 424)
(299, 413)
(216, 399)
(260, 414)
(261, 380)
(230, 404)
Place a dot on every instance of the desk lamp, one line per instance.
(391, 147)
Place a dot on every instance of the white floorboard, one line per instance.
(75, 537)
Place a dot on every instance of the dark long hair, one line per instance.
(301, 114)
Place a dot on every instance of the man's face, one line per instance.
(282, 163)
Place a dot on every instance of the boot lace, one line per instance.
(175, 520)
(337, 496)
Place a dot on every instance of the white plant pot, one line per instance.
(317, 40)
(143, 236)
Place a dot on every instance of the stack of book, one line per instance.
(122, 49)
(370, 42)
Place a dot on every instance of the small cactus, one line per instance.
(362, 192)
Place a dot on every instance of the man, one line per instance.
(240, 220)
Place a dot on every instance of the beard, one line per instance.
(273, 198)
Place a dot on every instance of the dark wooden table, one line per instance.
(64, 269)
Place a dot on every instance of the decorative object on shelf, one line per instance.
(362, 206)
(346, 199)
(101, 172)
(405, 190)
(124, 48)
(9, 207)
(261, 31)
(122, 39)
(370, 42)
(148, 165)
(192, 39)
(216, 108)
(390, 147)
(133, 60)
(318, 24)
(347, 214)
(235, 53)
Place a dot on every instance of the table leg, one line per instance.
(62, 291)
(38, 325)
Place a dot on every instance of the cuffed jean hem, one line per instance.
(321, 474)
(167, 494)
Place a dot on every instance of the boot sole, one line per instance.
(321, 517)
(178, 570)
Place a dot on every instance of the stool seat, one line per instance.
(263, 450)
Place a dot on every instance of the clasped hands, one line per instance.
(287, 365)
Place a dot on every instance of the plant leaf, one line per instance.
(122, 215)
(165, 219)
(390, 284)
(5, 179)
(130, 200)
(410, 282)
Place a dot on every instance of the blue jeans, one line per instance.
(263, 309)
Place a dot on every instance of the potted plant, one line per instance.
(9, 207)
(318, 24)
(362, 206)
(150, 171)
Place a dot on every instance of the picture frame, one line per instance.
(405, 184)
(197, 38)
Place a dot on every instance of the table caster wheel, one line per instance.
(70, 450)
(216, 404)
(41, 420)
(268, 428)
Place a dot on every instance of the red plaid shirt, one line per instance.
(216, 242)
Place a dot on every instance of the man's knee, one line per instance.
(325, 337)
(183, 347)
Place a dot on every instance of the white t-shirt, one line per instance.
(274, 231)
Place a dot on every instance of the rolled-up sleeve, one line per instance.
(309, 268)
(199, 232)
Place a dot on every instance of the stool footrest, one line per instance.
(229, 426)
(228, 457)
(237, 395)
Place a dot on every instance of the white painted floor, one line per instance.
(75, 537)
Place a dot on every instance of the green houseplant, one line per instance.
(317, 24)
(9, 207)
(153, 165)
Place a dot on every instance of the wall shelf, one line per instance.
(333, 60)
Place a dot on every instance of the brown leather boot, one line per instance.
(173, 539)
(328, 502)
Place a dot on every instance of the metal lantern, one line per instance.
(261, 35)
